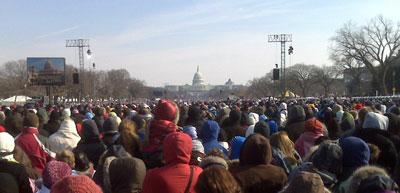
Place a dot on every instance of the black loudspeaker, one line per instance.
(275, 74)
(75, 78)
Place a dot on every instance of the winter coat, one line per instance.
(295, 124)
(175, 175)
(90, 143)
(18, 172)
(209, 137)
(66, 137)
(255, 173)
(38, 154)
(312, 131)
(99, 122)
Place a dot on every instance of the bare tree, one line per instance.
(300, 78)
(374, 44)
(325, 77)
(263, 86)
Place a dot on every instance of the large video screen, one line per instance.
(46, 71)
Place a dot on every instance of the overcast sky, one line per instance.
(163, 41)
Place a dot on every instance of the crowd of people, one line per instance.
(230, 146)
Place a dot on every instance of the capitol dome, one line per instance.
(198, 78)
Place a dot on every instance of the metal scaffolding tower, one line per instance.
(80, 44)
(282, 38)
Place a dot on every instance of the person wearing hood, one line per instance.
(375, 121)
(210, 131)
(263, 128)
(67, 136)
(91, 143)
(255, 173)
(356, 154)
(127, 175)
(232, 125)
(166, 115)
(371, 179)
(313, 129)
(305, 182)
(236, 146)
(29, 141)
(347, 122)
(295, 123)
(253, 120)
(10, 166)
(177, 175)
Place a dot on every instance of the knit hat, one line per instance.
(8, 183)
(197, 146)
(7, 146)
(328, 157)
(296, 113)
(253, 118)
(376, 184)
(314, 126)
(305, 182)
(76, 184)
(54, 172)
(213, 161)
(375, 121)
(191, 131)
(347, 122)
(355, 152)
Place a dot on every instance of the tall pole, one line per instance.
(282, 38)
(80, 44)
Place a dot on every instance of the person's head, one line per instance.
(76, 184)
(236, 146)
(31, 120)
(328, 157)
(282, 142)
(213, 161)
(166, 110)
(256, 150)
(306, 182)
(82, 163)
(7, 146)
(262, 128)
(129, 138)
(127, 174)
(355, 152)
(210, 131)
(217, 180)
(66, 156)
(296, 113)
(371, 179)
(54, 172)
(177, 148)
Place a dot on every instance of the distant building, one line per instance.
(199, 85)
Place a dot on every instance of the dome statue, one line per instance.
(198, 78)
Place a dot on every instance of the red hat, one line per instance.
(54, 172)
(358, 106)
(76, 184)
(314, 126)
(165, 110)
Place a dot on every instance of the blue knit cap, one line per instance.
(355, 152)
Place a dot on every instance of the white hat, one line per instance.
(7, 146)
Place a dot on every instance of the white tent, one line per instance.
(19, 100)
